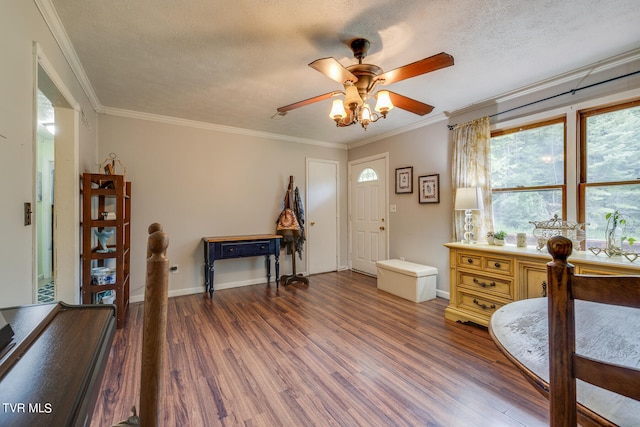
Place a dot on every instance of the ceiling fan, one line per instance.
(360, 80)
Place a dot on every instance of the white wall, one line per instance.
(20, 26)
(203, 182)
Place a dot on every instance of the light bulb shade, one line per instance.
(469, 198)
(384, 103)
(366, 113)
(352, 96)
(337, 110)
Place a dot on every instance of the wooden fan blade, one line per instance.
(331, 68)
(408, 104)
(426, 65)
(308, 101)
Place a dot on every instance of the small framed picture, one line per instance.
(429, 188)
(404, 180)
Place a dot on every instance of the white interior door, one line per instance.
(321, 219)
(368, 195)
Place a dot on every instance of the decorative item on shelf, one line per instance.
(109, 165)
(544, 230)
(615, 236)
(107, 216)
(468, 200)
(521, 240)
(614, 232)
(103, 237)
(490, 239)
(498, 237)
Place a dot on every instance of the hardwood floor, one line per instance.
(335, 353)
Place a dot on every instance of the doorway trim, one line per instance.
(351, 163)
(67, 230)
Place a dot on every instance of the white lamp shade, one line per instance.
(383, 103)
(337, 110)
(366, 113)
(469, 198)
(352, 96)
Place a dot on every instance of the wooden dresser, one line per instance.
(483, 278)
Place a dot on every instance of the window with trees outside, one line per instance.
(528, 176)
(610, 172)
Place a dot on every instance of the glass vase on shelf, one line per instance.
(614, 233)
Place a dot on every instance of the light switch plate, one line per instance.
(392, 208)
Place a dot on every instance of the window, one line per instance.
(610, 169)
(368, 174)
(528, 175)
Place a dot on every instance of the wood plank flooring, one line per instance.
(337, 352)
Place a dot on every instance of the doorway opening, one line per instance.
(55, 204)
(44, 208)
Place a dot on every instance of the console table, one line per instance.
(50, 374)
(227, 247)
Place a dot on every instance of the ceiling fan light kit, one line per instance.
(360, 80)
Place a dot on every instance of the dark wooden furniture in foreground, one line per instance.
(51, 375)
(340, 352)
(227, 247)
(555, 340)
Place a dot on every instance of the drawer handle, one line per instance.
(470, 261)
(484, 306)
(483, 284)
(496, 265)
(231, 249)
(262, 246)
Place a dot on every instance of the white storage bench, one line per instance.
(408, 280)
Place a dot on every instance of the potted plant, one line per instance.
(490, 237)
(498, 237)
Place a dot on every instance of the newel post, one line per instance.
(154, 327)
(561, 334)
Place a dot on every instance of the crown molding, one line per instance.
(215, 127)
(577, 74)
(51, 18)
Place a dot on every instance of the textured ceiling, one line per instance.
(233, 63)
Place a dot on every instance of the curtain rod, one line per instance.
(572, 92)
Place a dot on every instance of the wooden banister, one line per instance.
(154, 327)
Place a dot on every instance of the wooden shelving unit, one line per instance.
(102, 194)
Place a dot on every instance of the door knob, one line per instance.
(382, 227)
(313, 223)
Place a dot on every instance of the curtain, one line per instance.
(472, 168)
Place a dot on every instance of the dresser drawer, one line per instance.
(242, 249)
(498, 265)
(470, 261)
(486, 285)
(479, 304)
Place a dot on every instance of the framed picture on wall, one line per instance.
(429, 188)
(404, 180)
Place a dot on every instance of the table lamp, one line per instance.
(468, 199)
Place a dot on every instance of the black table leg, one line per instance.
(267, 260)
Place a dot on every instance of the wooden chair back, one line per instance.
(565, 366)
